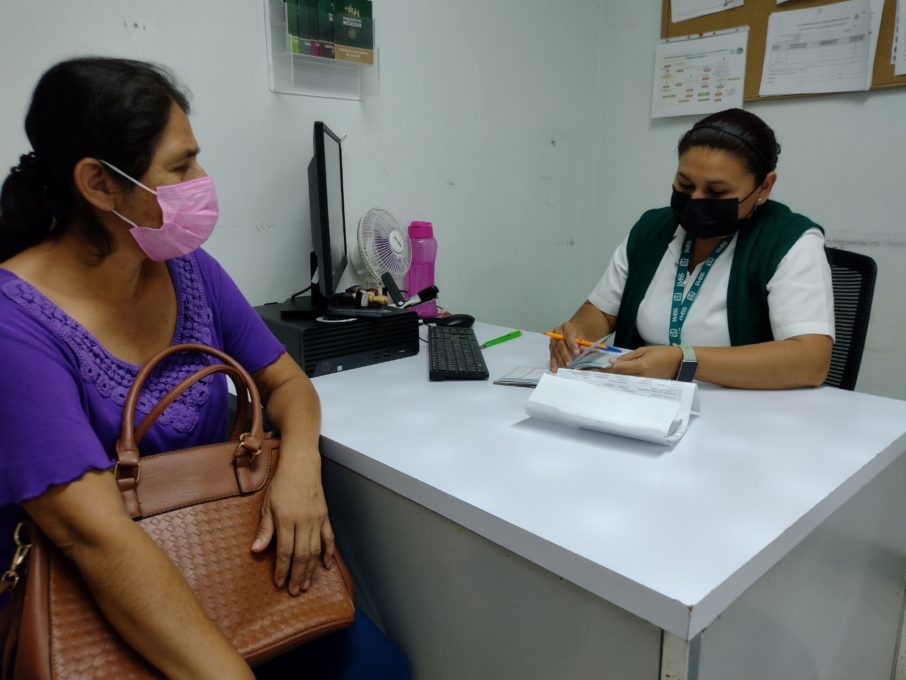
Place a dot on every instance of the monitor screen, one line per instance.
(328, 220)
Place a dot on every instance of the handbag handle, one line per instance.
(127, 470)
(242, 403)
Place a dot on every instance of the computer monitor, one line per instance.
(328, 217)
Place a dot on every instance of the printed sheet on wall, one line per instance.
(695, 75)
(821, 49)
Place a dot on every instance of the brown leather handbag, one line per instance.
(202, 507)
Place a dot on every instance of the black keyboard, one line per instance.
(454, 354)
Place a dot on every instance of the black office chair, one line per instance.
(853, 277)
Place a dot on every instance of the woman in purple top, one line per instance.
(99, 270)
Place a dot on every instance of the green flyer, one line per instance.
(354, 31)
(322, 30)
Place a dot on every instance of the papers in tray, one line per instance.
(522, 376)
(643, 408)
(589, 359)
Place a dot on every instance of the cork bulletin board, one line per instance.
(755, 13)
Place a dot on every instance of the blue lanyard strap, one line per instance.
(680, 306)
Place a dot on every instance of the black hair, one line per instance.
(739, 132)
(90, 107)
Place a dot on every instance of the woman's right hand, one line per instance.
(564, 351)
(588, 322)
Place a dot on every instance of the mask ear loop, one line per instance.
(134, 181)
(131, 179)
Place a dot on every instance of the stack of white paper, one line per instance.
(643, 408)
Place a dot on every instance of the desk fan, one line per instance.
(384, 248)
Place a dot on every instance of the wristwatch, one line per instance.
(688, 365)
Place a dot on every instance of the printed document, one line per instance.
(899, 64)
(594, 357)
(589, 359)
(896, 32)
(876, 7)
(642, 408)
(689, 9)
(818, 49)
(698, 75)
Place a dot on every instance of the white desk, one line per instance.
(581, 548)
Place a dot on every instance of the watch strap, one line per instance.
(688, 365)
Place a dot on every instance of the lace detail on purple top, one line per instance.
(112, 377)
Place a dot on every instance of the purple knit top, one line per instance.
(62, 392)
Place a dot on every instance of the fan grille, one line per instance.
(383, 244)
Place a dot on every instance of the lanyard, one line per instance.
(679, 309)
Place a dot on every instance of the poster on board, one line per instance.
(818, 49)
(696, 75)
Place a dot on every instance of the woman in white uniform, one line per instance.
(725, 285)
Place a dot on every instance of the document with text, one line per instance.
(899, 41)
(877, 11)
(695, 75)
(819, 49)
(650, 409)
(590, 359)
(681, 10)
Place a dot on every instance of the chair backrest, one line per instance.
(853, 277)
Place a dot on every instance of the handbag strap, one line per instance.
(10, 578)
(127, 470)
(242, 403)
(10, 624)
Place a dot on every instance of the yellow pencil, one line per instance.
(583, 342)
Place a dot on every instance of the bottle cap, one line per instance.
(419, 229)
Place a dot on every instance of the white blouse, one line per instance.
(800, 296)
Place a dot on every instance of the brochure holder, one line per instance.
(312, 76)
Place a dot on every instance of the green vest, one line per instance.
(760, 247)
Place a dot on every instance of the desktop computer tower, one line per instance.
(321, 347)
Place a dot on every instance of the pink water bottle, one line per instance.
(421, 272)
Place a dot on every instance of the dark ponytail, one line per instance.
(24, 212)
(93, 107)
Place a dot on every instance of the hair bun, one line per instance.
(28, 165)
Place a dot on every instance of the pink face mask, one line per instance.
(189, 212)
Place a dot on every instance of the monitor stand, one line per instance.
(306, 307)
(300, 308)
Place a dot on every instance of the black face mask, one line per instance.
(708, 217)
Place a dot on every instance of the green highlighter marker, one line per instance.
(502, 338)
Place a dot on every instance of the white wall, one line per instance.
(520, 128)
(843, 164)
(483, 125)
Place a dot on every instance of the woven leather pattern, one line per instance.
(208, 543)
(82, 643)
(244, 602)
(204, 515)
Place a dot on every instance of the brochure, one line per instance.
(353, 31)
